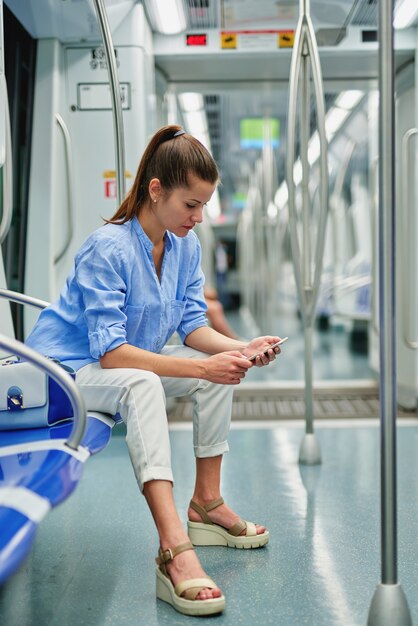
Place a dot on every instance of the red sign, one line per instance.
(197, 40)
(110, 188)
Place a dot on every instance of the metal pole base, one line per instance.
(389, 607)
(309, 453)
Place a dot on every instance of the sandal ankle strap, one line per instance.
(167, 555)
(203, 510)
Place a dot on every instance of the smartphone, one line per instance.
(278, 343)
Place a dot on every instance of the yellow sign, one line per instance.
(228, 40)
(286, 38)
(112, 174)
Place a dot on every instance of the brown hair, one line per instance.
(171, 156)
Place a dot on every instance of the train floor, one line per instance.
(93, 559)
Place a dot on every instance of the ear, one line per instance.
(155, 190)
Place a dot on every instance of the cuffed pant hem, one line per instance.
(155, 473)
(203, 452)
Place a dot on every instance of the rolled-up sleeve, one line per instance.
(100, 277)
(194, 315)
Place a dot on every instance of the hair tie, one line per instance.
(179, 132)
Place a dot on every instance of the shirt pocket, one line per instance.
(136, 326)
(176, 315)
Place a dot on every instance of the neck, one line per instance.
(151, 228)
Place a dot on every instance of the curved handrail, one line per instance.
(22, 298)
(305, 44)
(374, 175)
(116, 100)
(61, 377)
(7, 168)
(410, 343)
(307, 281)
(69, 164)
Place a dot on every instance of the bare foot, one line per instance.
(186, 565)
(222, 515)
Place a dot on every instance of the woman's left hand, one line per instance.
(261, 347)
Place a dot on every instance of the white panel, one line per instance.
(60, 72)
(407, 257)
(46, 177)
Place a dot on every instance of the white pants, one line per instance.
(139, 397)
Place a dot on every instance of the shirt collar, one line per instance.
(146, 240)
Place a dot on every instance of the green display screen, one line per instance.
(256, 131)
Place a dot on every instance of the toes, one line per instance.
(209, 594)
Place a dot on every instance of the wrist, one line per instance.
(201, 367)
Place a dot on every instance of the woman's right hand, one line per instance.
(226, 368)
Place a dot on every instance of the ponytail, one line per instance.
(171, 156)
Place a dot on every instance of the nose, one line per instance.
(197, 216)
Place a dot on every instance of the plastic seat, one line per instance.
(41, 467)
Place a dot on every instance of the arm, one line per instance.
(208, 340)
(227, 368)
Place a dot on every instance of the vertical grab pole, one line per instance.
(307, 263)
(306, 235)
(116, 101)
(389, 606)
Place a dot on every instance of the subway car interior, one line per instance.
(310, 109)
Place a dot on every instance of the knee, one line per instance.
(144, 385)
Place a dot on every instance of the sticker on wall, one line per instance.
(228, 41)
(110, 187)
(286, 38)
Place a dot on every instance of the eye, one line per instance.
(190, 206)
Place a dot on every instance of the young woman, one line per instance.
(137, 280)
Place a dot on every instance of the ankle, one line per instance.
(173, 539)
(204, 497)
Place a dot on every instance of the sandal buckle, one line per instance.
(166, 555)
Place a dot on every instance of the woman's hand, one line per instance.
(260, 346)
(226, 368)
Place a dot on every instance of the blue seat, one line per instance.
(37, 472)
(41, 467)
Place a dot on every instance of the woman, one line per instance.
(137, 280)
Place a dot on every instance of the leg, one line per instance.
(159, 496)
(212, 406)
(139, 398)
(207, 488)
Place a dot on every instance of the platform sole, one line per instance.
(201, 534)
(166, 593)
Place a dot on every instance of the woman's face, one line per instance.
(180, 210)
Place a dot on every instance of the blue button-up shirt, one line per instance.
(113, 296)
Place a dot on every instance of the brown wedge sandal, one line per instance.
(182, 596)
(207, 533)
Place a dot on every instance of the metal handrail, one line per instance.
(305, 44)
(70, 178)
(374, 179)
(63, 379)
(7, 168)
(410, 343)
(116, 100)
(307, 284)
(55, 371)
(22, 298)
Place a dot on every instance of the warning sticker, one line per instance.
(286, 39)
(228, 40)
(267, 39)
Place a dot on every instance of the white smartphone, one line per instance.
(278, 343)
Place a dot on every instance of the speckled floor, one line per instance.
(93, 559)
